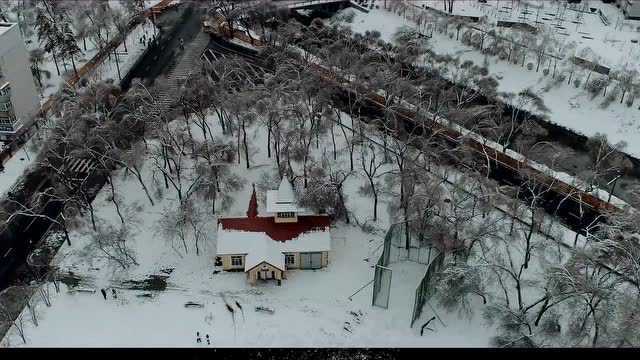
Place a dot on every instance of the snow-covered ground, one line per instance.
(311, 307)
(609, 44)
(17, 164)
(568, 106)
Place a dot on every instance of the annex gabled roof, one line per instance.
(263, 250)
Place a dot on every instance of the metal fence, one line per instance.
(394, 250)
(381, 285)
(426, 288)
(382, 277)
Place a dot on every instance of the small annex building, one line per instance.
(265, 247)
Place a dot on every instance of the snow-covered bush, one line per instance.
(545, 72)
(610, 98)
(596, 86)
(577, 83)
(476, 40)
(629, 101)
(346, 16)
(466, 37)
(530, 66)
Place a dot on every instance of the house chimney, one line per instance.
(252, 212)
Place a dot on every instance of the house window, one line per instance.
(236, 260)
(286, 215)
(289, 259)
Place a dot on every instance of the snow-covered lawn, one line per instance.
(311, 307)
(610, 43)
(568, 106)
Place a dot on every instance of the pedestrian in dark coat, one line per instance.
(104, 293)
(113, 292)
(208, 341)
(198, 339)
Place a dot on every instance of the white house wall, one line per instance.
(15, 65)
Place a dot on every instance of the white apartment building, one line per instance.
(19, 100)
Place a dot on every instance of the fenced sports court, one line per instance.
(395, 250)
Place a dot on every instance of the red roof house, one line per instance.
(265, 247)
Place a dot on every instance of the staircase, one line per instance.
(189, 62)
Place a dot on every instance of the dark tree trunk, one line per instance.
(55, 61)
(246, 146)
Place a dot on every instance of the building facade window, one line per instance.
(289, 259)
(236, 260)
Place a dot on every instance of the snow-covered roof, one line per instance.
(283, 199)
(285, 192)
(258, 246)
(263, 250)
(273, 206)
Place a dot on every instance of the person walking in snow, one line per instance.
(181, 44)
(208, 341)
(113, 292)
(104, 293)
(198, 339)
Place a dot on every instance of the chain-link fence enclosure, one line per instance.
(395, 250)
(382, 277)
(426, 288)
(381, 285)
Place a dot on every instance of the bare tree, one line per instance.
(218, 182)
(112, 240)
(607, 161)
(186, 223)
(324, 192)
(171, 160)
(371, 167)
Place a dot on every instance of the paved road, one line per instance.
(180, 22)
